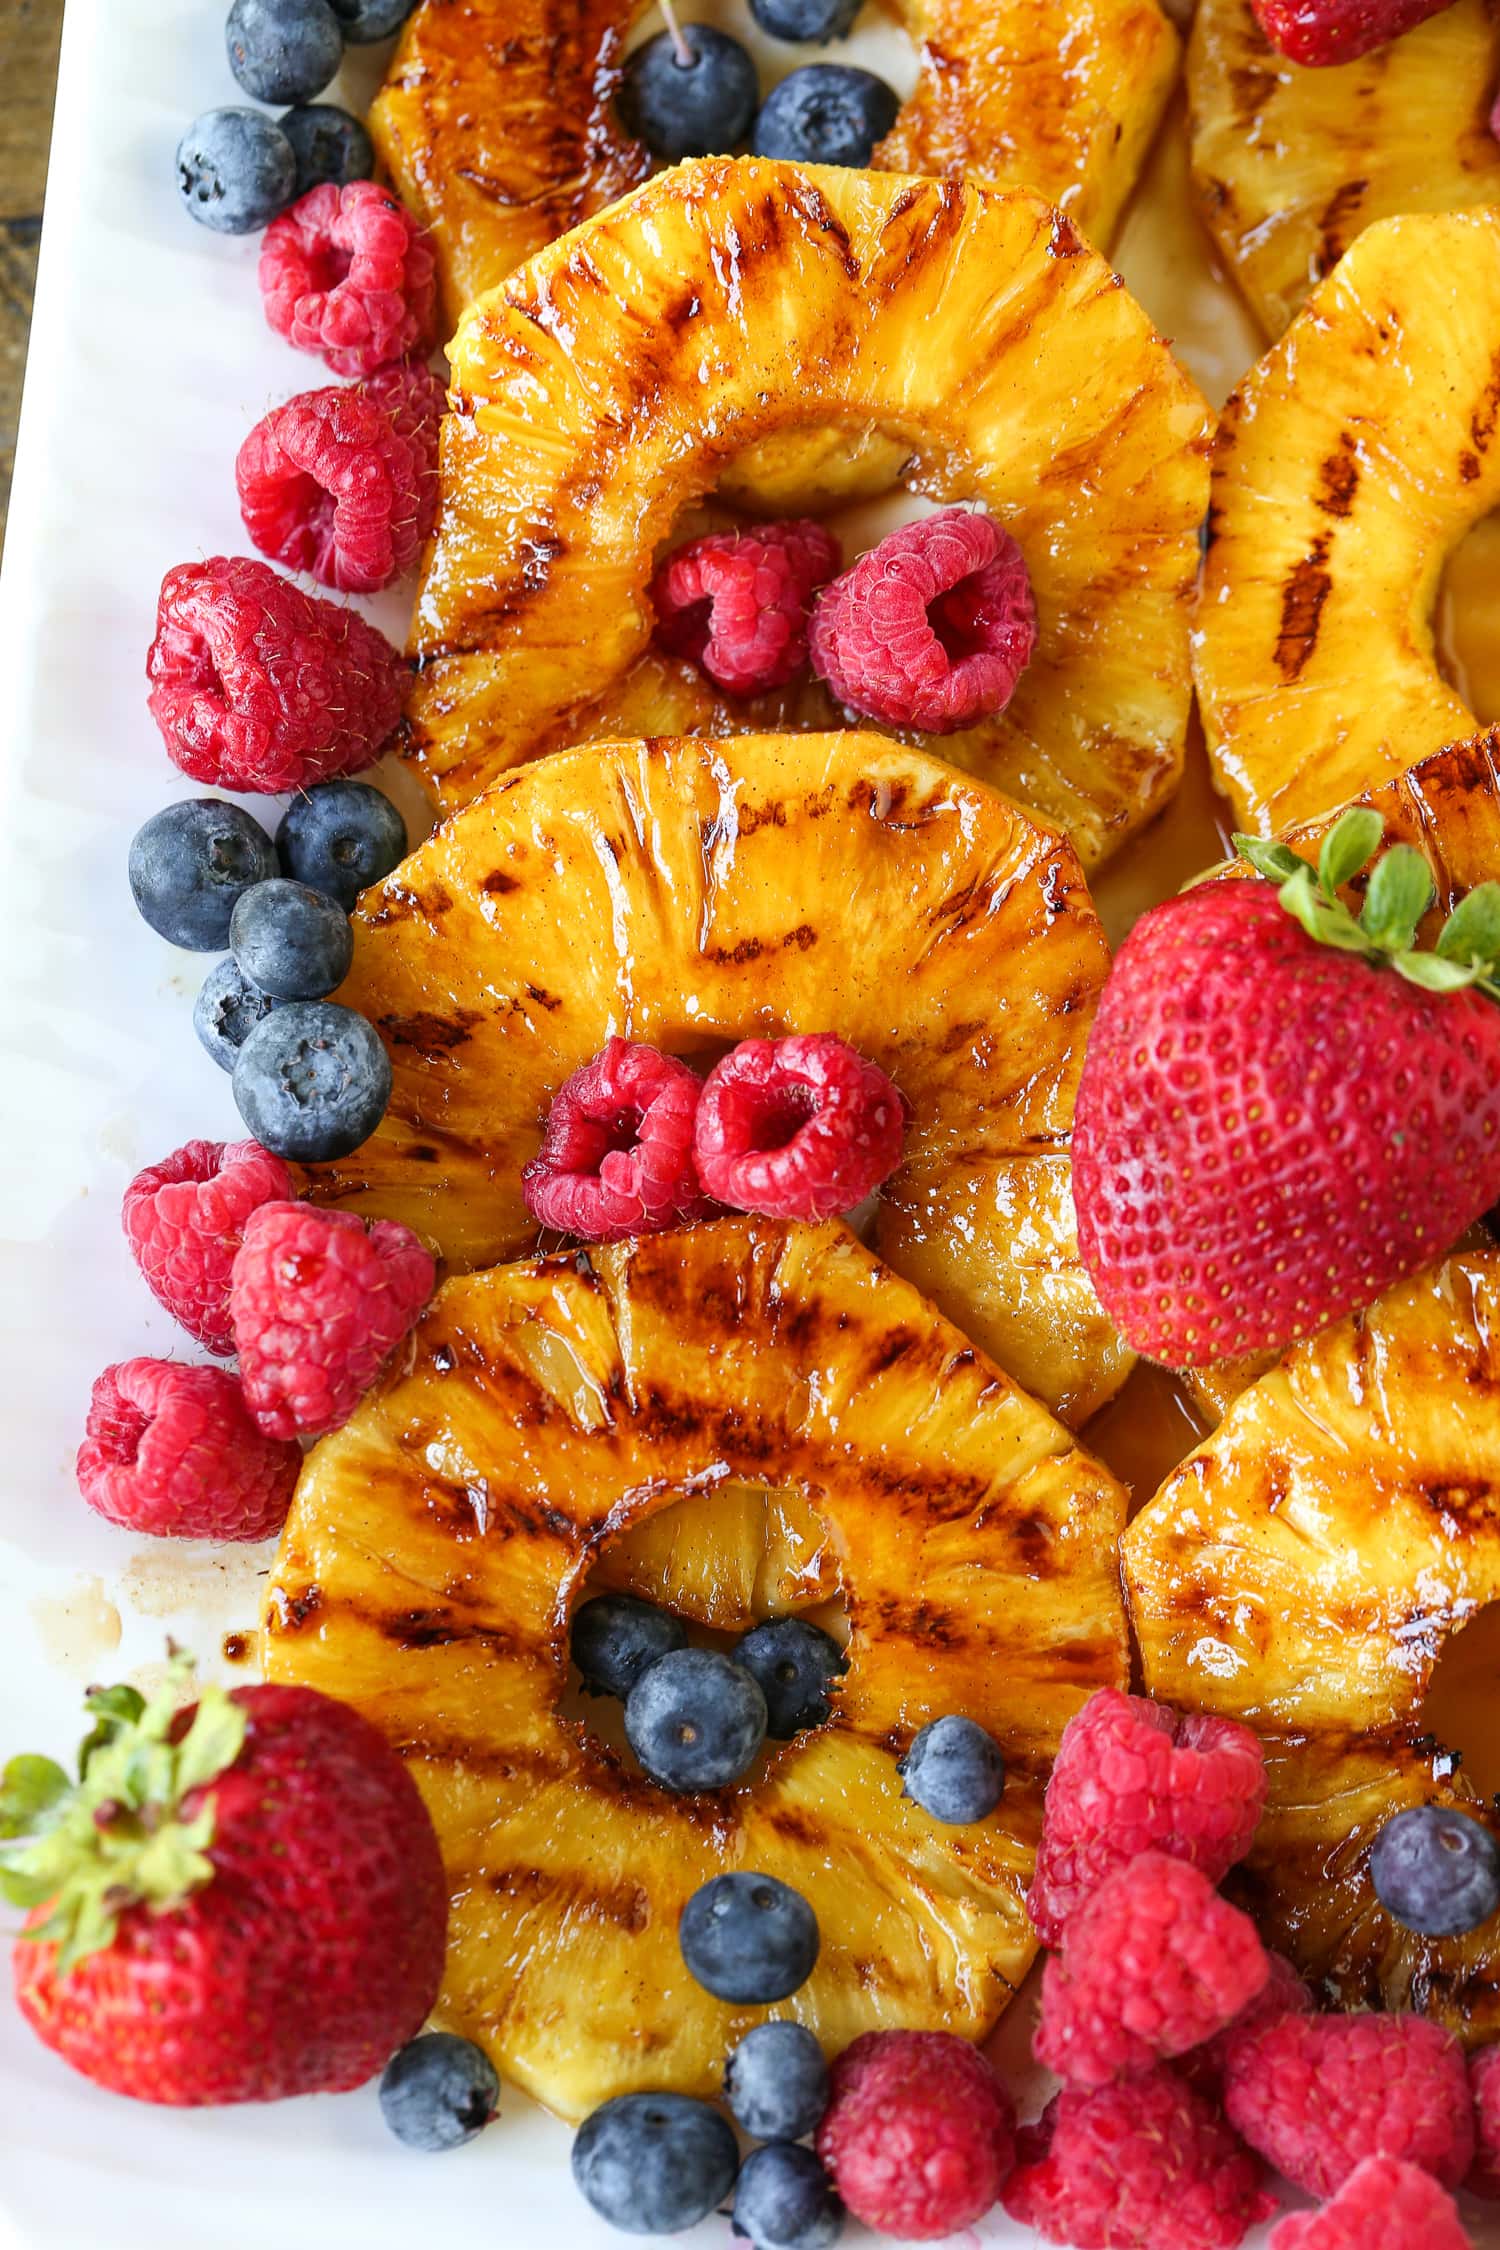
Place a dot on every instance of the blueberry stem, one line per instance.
(682, 53)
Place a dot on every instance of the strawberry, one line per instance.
(1317, 33)
(234, 1902)
(1283, 1110)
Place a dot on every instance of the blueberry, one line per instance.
(189, 866)
(785, 2200)
(825, 113)
(954, 1771)
(291, 940)
(748, 1938)
(283, 50)
(341, 837)
(328, 144)
(227, 1010)
(655, 2163)
(364, 20)
(776, 2082)
(312, 1081)
(616, 1637)
(235, 170)
(795, 1664)
(811, 21)
(695, 1720)
(702, 107)
(438, 2091)
(1436, 1871)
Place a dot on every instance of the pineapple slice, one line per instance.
(1291, 164)
(692, 894)
(728, 1558)
(437, 1542)
(497, 119)
(1301, 1571)
(605, 388)
(1352, 461)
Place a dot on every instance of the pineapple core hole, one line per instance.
(1459, 1706)
(1467, 623)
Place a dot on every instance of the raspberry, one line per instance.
(347, 273)
(184, 1220)
(919, 2133)
(736, 603)
(1143, 2165)
(343, 483)
(319, 1302)
(1315, 2094)
(171, 1450)
(1382, 2205)
(617, 1155)
(1154, 1963)
(1484, 2084)
(932, 628)
(258, 686)
(1133, 1776)
(1282, 1994)
(799, 1128)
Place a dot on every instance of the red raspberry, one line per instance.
(1382, 2205)
(171, 1450)
(1282, 1994)
(799, 1128)
(258, 686)
(919, 2133)
(344, 483)
(1153, 1963)
(932, 628)
(1143, 2165)
(319, 1302)
(617, 1155)
(184, 1220)
(348, 273)
(1315, 2094)
(1484, 2084)
(1133, 1776)
(736, 603)
(1316, 33)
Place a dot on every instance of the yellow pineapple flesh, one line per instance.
(691, 894)
(604, 389)
(1301, 1571)
(1352, 461)
(1290, 164)
(497, 118)
(437, 1543)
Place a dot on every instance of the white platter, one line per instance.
(149, 361)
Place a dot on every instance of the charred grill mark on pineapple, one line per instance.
(1306, 589)
(429, 1034)
(1338, 479)
(1338, 223)
(1487, 412)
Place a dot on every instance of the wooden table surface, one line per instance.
(29, 33)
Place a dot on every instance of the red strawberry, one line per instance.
(235, 1902)
(1283, 1111)
(1319, 32)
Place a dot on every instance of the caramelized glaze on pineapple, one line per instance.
(691, 894)
(1301, 1571)
(610, 382)
(1291, 164)
(1352, 461)
(436, 1545)
(497, 119)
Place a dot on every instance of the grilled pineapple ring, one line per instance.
(436, 1544)
(497, 119)
(1352, 461)
(691, 894)
(1301, 1571)
(1291, 164)
(608, 384)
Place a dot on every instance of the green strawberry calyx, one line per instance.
(1398, 893)
(118, 1836)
